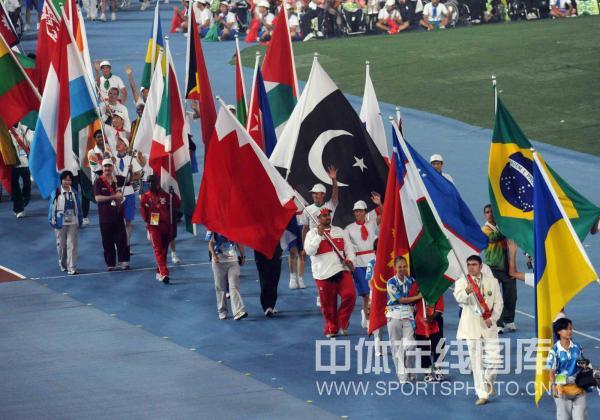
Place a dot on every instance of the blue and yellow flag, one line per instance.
(511, 185)
(562, 268)
(155, 43)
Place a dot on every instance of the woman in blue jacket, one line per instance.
(65, 216)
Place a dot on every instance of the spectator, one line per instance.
(562, 8)
(226, 259)
(389, 19)
(293, 23)
(21, 194)
(108, 80)
(113, 107)
(227, 22)
(113, 10)
(203, 15)
(65, 216)
(435, 15)
(265, 18)
(313, 9)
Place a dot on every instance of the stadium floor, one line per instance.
(71, 345)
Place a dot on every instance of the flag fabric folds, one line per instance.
(15, 89)
(325, 130)
(279, 73)
(155, 43)
(170, 152)
(260, 121)
(511, 185)
(197, 83)
(251, 210)
(47, 41)
(7, 30)
(241, 108)
(66, 108)
(562, 268)
(370, 115)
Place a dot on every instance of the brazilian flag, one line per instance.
(510, 173)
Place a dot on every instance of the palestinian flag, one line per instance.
(279, 74)
(510, 176)
(15, 89)
(170, 152)
(155, 43)
(241, 108)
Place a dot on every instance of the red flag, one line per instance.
(278, 66)
(5, 175)
(242, 195)
(6, 27)
(176, 21)
(197, 84)
(254, 123)
(60, 62)
(47, 42)
(252, 35)
(392, 242)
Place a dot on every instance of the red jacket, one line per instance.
(158, 203)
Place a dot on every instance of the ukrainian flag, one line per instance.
(155, 43)
(511, 185)
(562, 268)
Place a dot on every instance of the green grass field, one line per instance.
(548, 74)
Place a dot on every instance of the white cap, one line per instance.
(359, 205)
(263, 3)
(390, 2)
(105, 63)
(436, 158)
(107, 162)
(140, 102)
(124, 140)
(118, 113)
(318, 188)
(225, 3)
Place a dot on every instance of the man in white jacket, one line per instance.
(332, 260)
(481, 300)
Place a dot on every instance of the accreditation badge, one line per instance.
(154, 218)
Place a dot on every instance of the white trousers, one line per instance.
(227, 274)
(484, 354)
(567, 409)
(66, 246)
(402, 337)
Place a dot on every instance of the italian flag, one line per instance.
(279, 74)
(170, 152)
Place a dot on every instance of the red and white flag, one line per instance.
(242, 195)
(47, 42)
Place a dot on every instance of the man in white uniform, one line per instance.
(108, 80)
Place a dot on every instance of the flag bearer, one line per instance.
(158, 209)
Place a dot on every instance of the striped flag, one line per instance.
(155, 43)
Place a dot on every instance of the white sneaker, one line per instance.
(158, 277)
(319, 301)
(85, 221)
(510, 327)
(144, 6)
(364, 321)
(343, 331)
(309, 37)
(102, 17)
(26, 27)
(113, 16)
(293, 282)
(21, 214)
(175, 259)
(37, 26)
(438, 374)
(301, 284)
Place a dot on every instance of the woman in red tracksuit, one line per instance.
(156, 212)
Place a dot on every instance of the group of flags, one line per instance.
(261, 162)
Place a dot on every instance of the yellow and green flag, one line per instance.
(510, 176)
(155, 43)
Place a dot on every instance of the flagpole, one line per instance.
(239, 64)
(12, 53)
(154, 38)
(254, 87)
(495, 94)
(289, 38)
(168, 145)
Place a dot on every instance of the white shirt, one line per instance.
(314, 210)
(113, 82)
(324, 260)
(230, 18)
(441, 9)
(106, 110)
(448, 177)
(361, 246)
(135, 167)
(471, 325)
(293, 21)
(385, 15)
(26, 136)
(204, 15)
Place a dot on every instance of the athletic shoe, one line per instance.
(21, 214)
(85, 222)
(511, 327)
(37, 26)
(293, 282)
(166, 280)
(124, 266)
(481, 401)
(429, 377)
(275, 311)
(343, 331)
(309, 37)
(500, 330)
(175, 259)
(63, 269)
(330, 335)
(102, 17)
(227, 295)
(241, 316)
(437, 373)
(73, 272)
(301, 284)
(222, 316)
(111, 268)
(26, 27)
(319, 301)
(158, 277)
(269, 313)
(144, 6)
(113, 16)
(364, 321)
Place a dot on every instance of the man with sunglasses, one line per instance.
(481, 301)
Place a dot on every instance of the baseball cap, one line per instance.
(105, 63)
(436, 158)
(318, 188)
(106, 162)
(263, 3)
(359, 205)
(119, 113)
(124, 140)
(390, 2)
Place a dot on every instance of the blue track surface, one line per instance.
(277, 352)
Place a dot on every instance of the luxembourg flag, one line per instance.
(66, 104)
